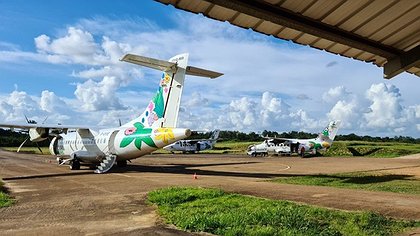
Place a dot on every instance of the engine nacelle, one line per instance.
(53, 146)
(38, 134)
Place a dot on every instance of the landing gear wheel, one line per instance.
(302, 152)
(122, 163)
(75, 165)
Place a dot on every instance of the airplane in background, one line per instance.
(194, 145)
(153, 129)
(302, 147)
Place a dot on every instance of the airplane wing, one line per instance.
(45, 126)
(292, 140)
(192, 141)
(198, 140)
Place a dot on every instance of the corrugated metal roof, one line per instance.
(377, 31)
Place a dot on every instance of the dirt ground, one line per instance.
(53, 200)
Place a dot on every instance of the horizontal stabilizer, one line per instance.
(168, 66)
(191, 70)
(149, 62)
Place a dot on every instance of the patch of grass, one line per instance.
(216, 212)
(5, 200)
(361, 180)
(33, 150)
(231, 147)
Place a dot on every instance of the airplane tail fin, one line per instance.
(331, 130)
(163, 109)
(215, 134)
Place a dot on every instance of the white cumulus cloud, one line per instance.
(77, 46)
(335, 94)
(50, 102)
(385, 109)
(101, 95)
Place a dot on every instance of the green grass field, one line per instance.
(361, 180)
(216, 212)
(5, 200)
(33, 150)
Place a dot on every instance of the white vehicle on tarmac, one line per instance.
(281, 146)
(269, 146)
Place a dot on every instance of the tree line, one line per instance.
(254, 137)
(10, 138)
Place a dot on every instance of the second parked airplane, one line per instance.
(194, 145)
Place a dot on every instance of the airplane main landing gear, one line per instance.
(302, 152)
(122, 163)
(75, 165)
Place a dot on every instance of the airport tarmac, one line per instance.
(52, 199)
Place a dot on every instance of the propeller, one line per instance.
(31, 122)
(22, 144)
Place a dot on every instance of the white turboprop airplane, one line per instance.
(194, 145)
(153, 129)
(299, 146)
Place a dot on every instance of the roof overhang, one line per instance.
(383, 32)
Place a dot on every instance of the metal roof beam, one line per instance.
(402, 62)
(284, 17)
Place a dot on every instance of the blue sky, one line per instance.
(60, 59)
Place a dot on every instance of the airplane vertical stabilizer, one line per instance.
(215, 134)
(173, 99)
(331, 130)
(163, 109)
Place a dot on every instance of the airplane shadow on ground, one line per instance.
(129, 168)
(372, 179)
(356, 153)
(190, 169)
(49, 175)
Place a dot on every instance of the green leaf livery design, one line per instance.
(139, 135)
(159, 104)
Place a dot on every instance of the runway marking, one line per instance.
(122, 175)
(286, 167)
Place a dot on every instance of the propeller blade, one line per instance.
(45, 119)
(27, 120)
(39, 148)
(22, 144)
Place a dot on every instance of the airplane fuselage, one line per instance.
(190, 146)
(124, 142)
